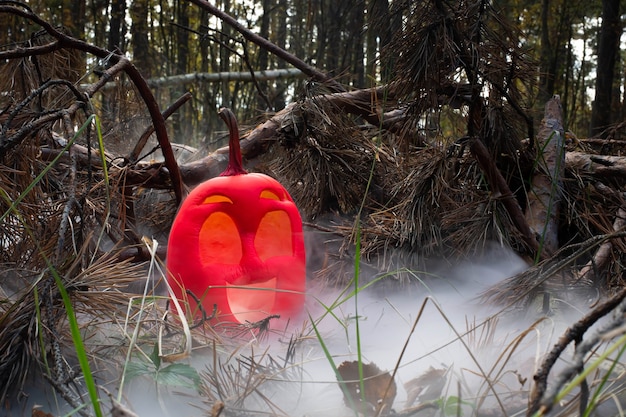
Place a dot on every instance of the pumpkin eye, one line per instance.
(217, 198)
(270, 195)
(273, 237)
(219, 241)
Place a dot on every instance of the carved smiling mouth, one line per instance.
(252, 302)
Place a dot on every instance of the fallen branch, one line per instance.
(597, 165)
(256, 142)
(603, 255)
(212, 77)
(143, 139)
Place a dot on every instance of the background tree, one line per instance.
(608, 48)
(172, 37)
(139, 11)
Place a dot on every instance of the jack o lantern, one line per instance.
(237, 243)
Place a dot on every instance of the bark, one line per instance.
(355, 55)
(546, 80)
(280, 31)
(182, 35)
(263, 56)
(225, 37)
(380, 29)
(542, 212)
(74, 16)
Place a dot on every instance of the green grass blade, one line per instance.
(81, 353)
(605, 378)
(103, 159)
(359, 353)
(585, 373)
(329, 357)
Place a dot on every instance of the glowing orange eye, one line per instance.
(270, 195)
(273, 237)
(219, 240)
(217, 198)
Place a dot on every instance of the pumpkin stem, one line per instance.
(235, 164)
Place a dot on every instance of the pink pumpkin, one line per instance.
(237, 243)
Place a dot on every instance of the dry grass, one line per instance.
(419, 195)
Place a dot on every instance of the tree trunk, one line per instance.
(546, 79)
(380, 28)
(224, 61)
(280, 32)
(608, 47)
(179, 125)
(354, 44)
(263, 58)
(139, 33)
(117, 27)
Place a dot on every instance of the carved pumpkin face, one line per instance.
(237, 242)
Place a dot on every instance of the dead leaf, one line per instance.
(38, 413)
(425, 387)
(379, 388)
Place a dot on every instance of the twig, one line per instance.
(602, 256)
(67, 395)
(246, 60)
(71, 199)
(143, 139)
(7, 143)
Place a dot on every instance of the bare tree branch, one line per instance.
(66, 41)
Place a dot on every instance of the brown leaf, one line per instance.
(379, 388)
(427, 386)
(38, 413)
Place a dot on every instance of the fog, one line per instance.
(436, 322)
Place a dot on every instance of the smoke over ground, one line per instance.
(415, 329)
